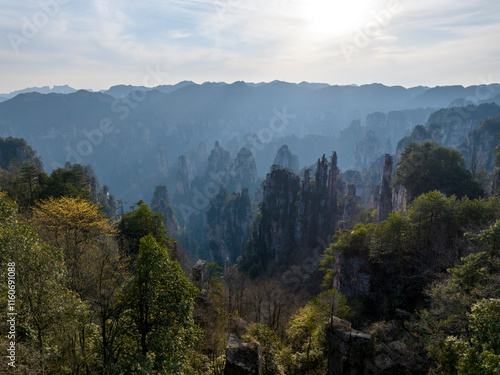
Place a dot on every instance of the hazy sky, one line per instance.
(99, 43)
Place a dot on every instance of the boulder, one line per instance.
(349, 351)
(242, 358)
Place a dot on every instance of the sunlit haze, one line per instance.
(100, 43)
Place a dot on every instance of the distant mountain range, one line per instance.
(125, 131)
(414, 96)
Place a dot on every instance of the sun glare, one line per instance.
(333, 17)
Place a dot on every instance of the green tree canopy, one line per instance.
(72, 182)
(48, 311)
(160, 305)
(427, 166)
(140, 223)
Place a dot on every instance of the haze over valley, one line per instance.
(220, 187)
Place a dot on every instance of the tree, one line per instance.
(479, 353)
(104, 273)
(427, 166)
(72, 181)
(269, 346)
(73, 225)
(32, 178)
(160, 305)
(140, 223)
(48, 312)
(462, 320)
(306, 333)
(23, 183)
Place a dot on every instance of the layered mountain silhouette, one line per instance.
(133, 135)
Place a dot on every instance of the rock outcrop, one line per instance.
(349, 351)
(449, 126)
(278, 216)
(381, 352)
(161, 203)
(242, 358)
(400, 198)
(285, 159)
(369, 148)
(229, 219)
(385, 194)
(294, 217)
(182, 186)
(219, 160)
(350, 204)
(419, 134)
(477, 147)
(198, 273)
(222, 190)
(317, 204)
(353, 276)
(243, 171)
(162, 161)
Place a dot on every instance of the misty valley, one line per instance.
(251, 228)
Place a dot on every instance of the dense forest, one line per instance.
(387, 263)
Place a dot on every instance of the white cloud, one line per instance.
(114, 41)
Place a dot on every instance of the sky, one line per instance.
(96, 44)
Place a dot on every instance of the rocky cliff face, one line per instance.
(17, 148)
(385, 195)
(396, 124)
(349, 351)
(219, 160)
(199, 156)
(244, 171)
(449, 126)
(228, 219)
(285, 159)
(478, 146)
(294, 216)
(317, 209)
(420, 133)
(182, 186)
(215, 205)
(454, 123)
(161, 203)
(400, 198)
(278, 216)
(242, 358)
(350, 203)
(161, 157)
(368, 149)
(382, 352)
